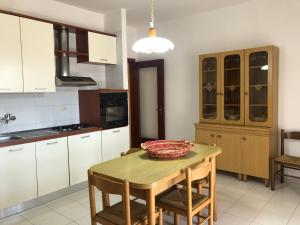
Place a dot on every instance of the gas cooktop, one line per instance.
(70, 127)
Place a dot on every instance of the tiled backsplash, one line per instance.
(39, 110)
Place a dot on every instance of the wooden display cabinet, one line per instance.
(238, 108)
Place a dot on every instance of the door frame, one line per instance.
(134, 99)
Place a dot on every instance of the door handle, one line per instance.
(116, 131)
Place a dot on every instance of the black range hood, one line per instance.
(63, 77)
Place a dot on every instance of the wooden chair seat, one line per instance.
(289, 160)
(115, 213)
(177, 198)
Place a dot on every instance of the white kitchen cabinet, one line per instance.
(84, 151)
(17, 174)
(11, 79)
(37, 39)
(102, 48)
(114, 141)
(52, 165)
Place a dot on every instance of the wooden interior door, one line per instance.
(232, 87)
(146, 85)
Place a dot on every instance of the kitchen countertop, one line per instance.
(49, 136)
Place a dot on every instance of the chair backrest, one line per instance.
(200, 171)
(130, 151)
(295, 135)
(109, 185)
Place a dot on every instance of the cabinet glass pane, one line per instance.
(232, 87)
(209, 88)
(258, 86)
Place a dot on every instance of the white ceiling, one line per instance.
(138, 10)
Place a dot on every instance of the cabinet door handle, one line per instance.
(5, 89)
(219, 136)
(244, 138)
(40, 89)
(116, 131)
(246, 93)
(16, 150)
(52, 143)
(212, 135)
(84, 137)
(104, 60)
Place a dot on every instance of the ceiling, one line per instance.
(138, 10)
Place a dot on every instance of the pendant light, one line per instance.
(152, 43)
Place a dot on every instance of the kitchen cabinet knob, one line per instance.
(219, 136)
(16, 150)
(52, 143)
(244, 138)
(246, 93)
(104, 60)
(212, 135)
(221, 93)
(116, 131)
(87, 136)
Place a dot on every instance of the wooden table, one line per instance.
(155, 176)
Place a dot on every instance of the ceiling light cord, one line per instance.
(152, 14)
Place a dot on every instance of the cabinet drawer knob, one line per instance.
(219, 136)
(104, 60)
(16, 150)
(246, 93)
(116, 131)
(244, 138)
(212, 135)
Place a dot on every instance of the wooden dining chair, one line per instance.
(284, 160)
(125, 212)
(183, 201)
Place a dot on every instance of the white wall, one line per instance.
(51, 109)
(256, 23)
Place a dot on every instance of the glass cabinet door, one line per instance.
(258, 87)
(209, 111)
(232, 87)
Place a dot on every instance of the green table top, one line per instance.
(143, 171)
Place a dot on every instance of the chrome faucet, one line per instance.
(7, 117)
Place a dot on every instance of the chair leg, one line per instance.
(176, 219)
(273, 174)
(282, 173)
(160, 222)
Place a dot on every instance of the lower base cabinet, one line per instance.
(114, 141)
(17, 174)
(84, 151)
(245, 150)
(52, 165)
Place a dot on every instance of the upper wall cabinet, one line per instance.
(239, 87)
(100, 48)
(11, 60)
(37, 40)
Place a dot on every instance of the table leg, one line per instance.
(213, 161)
(151, 206)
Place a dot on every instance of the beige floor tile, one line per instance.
(14, 220)
(227, 219)
(39, 214)
(75, 211)
(247, 208)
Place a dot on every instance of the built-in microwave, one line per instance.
(114, 110)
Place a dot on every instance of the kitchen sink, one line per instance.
(4, 139)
